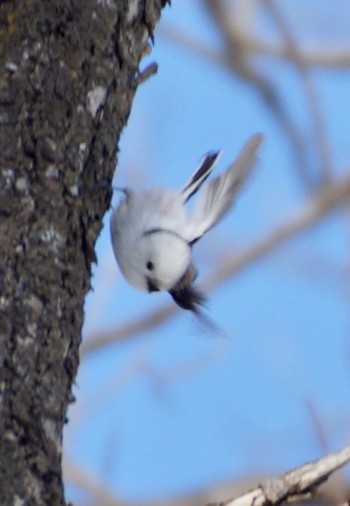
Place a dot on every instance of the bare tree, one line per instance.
(69, 72)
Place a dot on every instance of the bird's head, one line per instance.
(165, 259)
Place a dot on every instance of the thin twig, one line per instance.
(145, 74)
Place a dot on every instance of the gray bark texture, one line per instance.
(69, 72)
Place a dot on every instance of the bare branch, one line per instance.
(315, 209)
(131, 328)
(333, 58)
(297, 484)
(309, 88)
(293, 485)
(238, 59)
(90, 484)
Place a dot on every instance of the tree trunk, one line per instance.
(69, 71)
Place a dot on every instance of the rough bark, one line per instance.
(69, 71)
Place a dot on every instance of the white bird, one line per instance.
(153, 232)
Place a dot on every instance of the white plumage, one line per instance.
(153, 233)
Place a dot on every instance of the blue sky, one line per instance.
(179, 408)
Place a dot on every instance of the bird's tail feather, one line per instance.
(190, 298)
(218, 196)
(201, 173)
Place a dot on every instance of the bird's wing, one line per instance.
(218, 196)
(201, 173)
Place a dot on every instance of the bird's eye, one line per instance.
(150, 265)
